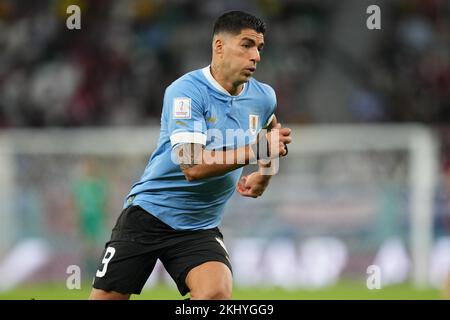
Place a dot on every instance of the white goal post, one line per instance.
(422, 147)
(418, 141)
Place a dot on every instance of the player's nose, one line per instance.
(256, 57)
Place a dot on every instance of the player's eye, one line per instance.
(246, 46)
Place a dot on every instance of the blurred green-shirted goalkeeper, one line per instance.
(90, 196)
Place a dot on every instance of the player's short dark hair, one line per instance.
(235, 21)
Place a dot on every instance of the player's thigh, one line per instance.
(99, 294)
(210, 280)
(204, 251)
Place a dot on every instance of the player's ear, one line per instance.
(218, 45)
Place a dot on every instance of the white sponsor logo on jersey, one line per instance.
(182, 108)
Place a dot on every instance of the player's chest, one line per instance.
(233, 123)
(234, 114)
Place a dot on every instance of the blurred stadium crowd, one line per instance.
(324, 64)
(115, 69)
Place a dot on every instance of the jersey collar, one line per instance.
(207, 73)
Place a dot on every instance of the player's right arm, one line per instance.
(198, 163)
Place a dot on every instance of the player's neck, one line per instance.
(231, 87)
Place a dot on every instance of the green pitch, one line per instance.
(344, 290)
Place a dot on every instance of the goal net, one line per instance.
(346, 198)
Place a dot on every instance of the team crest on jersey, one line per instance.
(253, 123)
(182, 108)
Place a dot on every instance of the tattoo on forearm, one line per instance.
(189, 155)
(187, 166)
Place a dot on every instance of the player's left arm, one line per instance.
(254, 184)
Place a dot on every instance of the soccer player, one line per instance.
(173, 212)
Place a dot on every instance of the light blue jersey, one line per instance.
(197, 109)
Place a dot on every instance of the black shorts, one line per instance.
(139, 239)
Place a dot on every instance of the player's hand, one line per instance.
(278, 138)
(252, 185)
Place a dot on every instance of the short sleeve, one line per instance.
(185, 114)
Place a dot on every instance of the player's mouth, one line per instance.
(251, 69)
